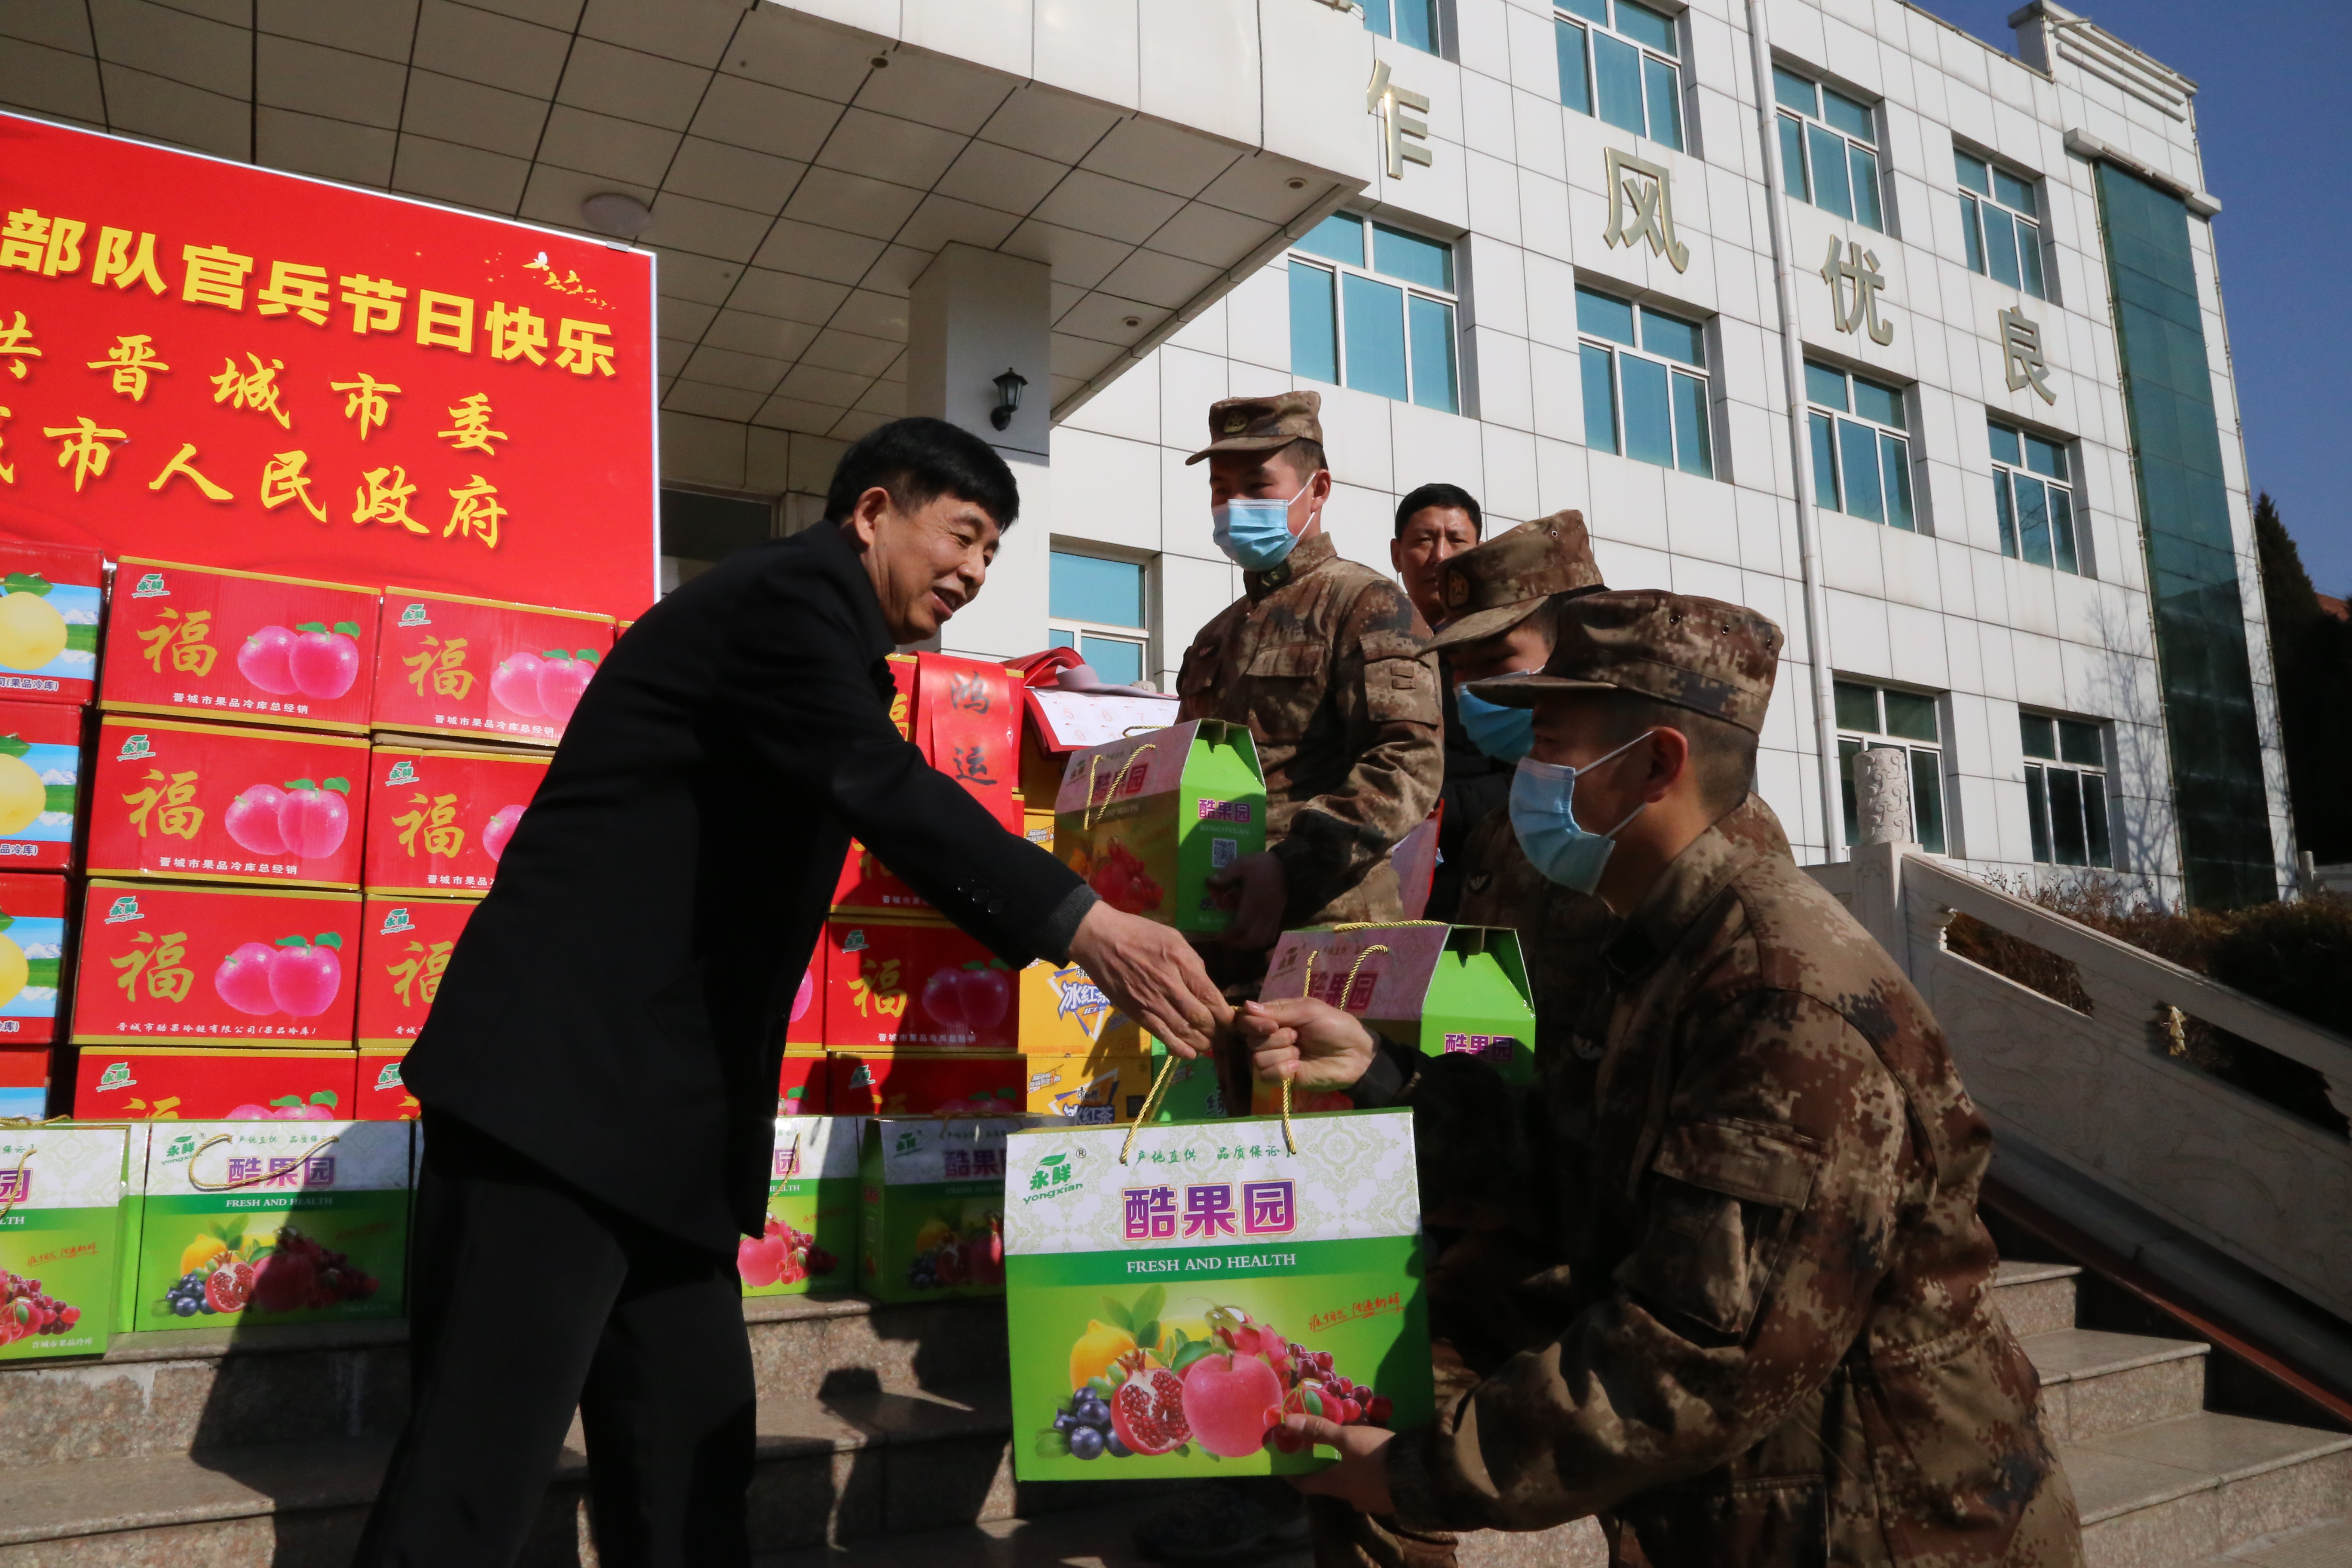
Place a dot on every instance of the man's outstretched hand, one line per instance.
(1152, 975)
(1360, 1478)
(1311, 1042)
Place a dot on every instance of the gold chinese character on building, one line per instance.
(375, 302)
(49, 245)
(16, 345)
(118, 264)
(583, 346)
(182, 464)
(477, 513)
(296, 287)
(215, 275)
(516, 333)
(83, 447)
(382, 497)
(129, 362)
(255, 388)
(283, 481)
(364, 401)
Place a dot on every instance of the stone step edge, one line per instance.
(2213, 1480)
(949, 1421)
(2011, 1274)
(2171, 1351)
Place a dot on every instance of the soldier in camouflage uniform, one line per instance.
(1772, 1333)
(1328, 664)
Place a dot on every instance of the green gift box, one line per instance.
(60, 1239)
(1148, 820)
(931, 1208)
(1440, 988)
(810, 1240)
(1173, 1290)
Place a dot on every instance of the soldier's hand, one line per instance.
(1151, 974)
(1360, 1478)
(1311, 1042)
(1263, 888)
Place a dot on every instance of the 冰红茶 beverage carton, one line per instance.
(32, 957)
(924, 1083)
(41, 784)
(1174, 1291)
(246, 1222)
(810, 1240)
(448, 665)
(931, 1219)
(439, 820)
(1093, 1089)
(1063, 1013)
(60, 1239)
(212, 1083)
(911, 983)
(404, 946)
(208, 642)
(1439, 989)
(50, 599)
(225, 803)
(1148, 820)
(230, 966)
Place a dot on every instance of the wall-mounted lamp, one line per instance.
(1008, 398)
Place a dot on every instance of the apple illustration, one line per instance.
(562, 676)
(500, 829)
(759, 1261)
(313, 818)
(243, 981)
(943, 999)
(249, 1112)
(252, 819)
(804, 995)
(325, 662)
(306, 976)
(987, 996)
(515, 684)
(265, 660)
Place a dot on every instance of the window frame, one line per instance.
(2026, 259)
(1813, 127)
(1389, 9)
(1650, 60)
(1678, 373)
(1930, 818)
(1079, 628)
(2062, 524)
(1339, 270)
(1830, 459)
(2094, 805)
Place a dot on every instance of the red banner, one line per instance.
(203, 361)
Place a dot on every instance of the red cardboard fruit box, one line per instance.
(405, 944)
(968, 721)
(800, 1088)
(198, 639)
(225, 803)
(379, 1093)
(32, 957)
(439, 820)
(233, 966)
(25, 1081)
(866, 886)
(211, 1083)
(448, 665)
(920, 984)
(50, 599)
(41, 784)
(926, 1083)
(805, 1026)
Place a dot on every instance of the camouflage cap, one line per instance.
(1489, 588)
(1701, 654)
(1262, 424)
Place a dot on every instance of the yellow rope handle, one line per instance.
(1117, 779)
(1383, 925)
(1150, 1106)
(258, 1176)
(16, 1187)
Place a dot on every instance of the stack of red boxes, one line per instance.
(50, 603)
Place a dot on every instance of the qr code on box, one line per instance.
(1223, 852)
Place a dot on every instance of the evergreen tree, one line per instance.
(2310, 654)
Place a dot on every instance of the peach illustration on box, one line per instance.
(32, 630)
(543, 685)
(306, 818)
(309, 660)
(298, 975)
(22, 795)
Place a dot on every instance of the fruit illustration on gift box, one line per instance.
(226, 1270)
(784, 1255)
(1119, 876)
(307, 819)
(32, 633)
(25, 1310)
(320, 1107)
(974, 997)
(946, 1255)
(500, 829)
(543, 686)
(23, 795)
(311, 660)
(300, 976)
(15, 969)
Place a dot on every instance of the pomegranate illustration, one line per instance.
(252, 819)
(306, 976)
(243, 982)
(282, 1281)
(312, 818)
(562, 676)
(323, 662)
(266, 659)
(515, 684)
(500, 829)
(1229, 1401)
(1147, 1411)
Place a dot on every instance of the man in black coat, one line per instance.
(599, 1072)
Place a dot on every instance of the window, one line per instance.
(1644, 384)
(2066, 789)
(2001, 222)
(1386, 328)
(1878, 719)
(1097, 607)
(1411, 22)
(1862, 456)
(1829, 149)
(698, 531)
(1622, 67)
(2034, 499)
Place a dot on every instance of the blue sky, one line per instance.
(2274, 117)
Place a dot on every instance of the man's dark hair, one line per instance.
(1440, 495)
(1305, 454)
(920, 460)
(1722, 755)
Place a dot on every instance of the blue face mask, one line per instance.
(1255, 534)
(1505, 734)
(1543, 815)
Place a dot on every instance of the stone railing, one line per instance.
(2103, 1093)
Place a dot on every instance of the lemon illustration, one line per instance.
(199, 1252)
(22, 794)
(14, 969)
(1096, 1350)
(32, 633)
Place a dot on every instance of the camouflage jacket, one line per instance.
(1323, 659)
(1772, 1337)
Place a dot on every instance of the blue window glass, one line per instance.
(2080, 742)
(1120, 663)
(1864, 165)
(2065, 786)
(1604, 317)
(1894, 458)
(2045, 458)
(1793, 91)
(2062, 531)
(1858, 470)
(1314, 325)
(1591, 10)
(1693, 453)
(1649, 422)
(1416, 23)
(2037, 810)
(1575, 78)
(2029, 259)
(1663, 85)
(1825, 480)
(2013, 192)
(1089, 588)
(1646, 27)
(1432, 354)
(1374, 313)
(2004, 444)
(1617, 72)
(1844, 114)
(1928, 800)
(1058, 638)
(1833, 186)
(1599, 398)
(1379, 18)
(1675, 339)
(1974, 174)
(1416, 260)
(2005, 512)
(2000, 245)
(1883, 403)
(1826, 387)
(1972, 232)
(1857, 706)
(1793, 158)
(1339, 237)
(2032, 520)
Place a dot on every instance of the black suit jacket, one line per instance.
(615, 1009)
(1476, 784)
